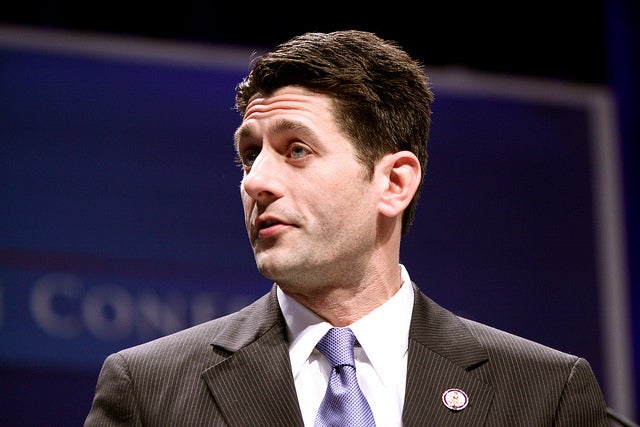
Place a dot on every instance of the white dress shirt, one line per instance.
(381, 361)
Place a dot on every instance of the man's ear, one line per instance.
(400, 175)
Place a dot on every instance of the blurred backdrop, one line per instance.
(120, 219)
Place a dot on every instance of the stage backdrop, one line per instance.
(121, 218)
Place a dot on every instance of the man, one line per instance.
(333, 150)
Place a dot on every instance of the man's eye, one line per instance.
(299, 151)
(249, 158)
(246, 159)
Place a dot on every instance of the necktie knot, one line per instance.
(343, 405)
(337, 346)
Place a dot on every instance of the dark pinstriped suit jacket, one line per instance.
(235, 371)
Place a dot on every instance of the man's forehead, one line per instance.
(286, 98)
(290, 108)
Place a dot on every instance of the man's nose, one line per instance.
(262, 181)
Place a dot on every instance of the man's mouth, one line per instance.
(269, 227)
(267, 223)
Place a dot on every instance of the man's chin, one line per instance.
(266, 267)
(275, 271)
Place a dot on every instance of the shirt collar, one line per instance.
(383, 334)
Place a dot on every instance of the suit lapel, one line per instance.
(252, 370)
(442, 355)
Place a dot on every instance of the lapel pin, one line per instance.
(455, 399)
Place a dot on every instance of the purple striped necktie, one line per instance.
(343, 404)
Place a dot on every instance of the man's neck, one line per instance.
(342, 304)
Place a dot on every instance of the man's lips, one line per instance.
(269, 226)
(272, 230)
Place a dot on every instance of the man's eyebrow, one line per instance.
(292, 125)
(244, 131)
(280, 126)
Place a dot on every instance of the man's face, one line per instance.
(310, 208)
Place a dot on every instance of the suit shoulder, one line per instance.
(243, 324)
(498, 341)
